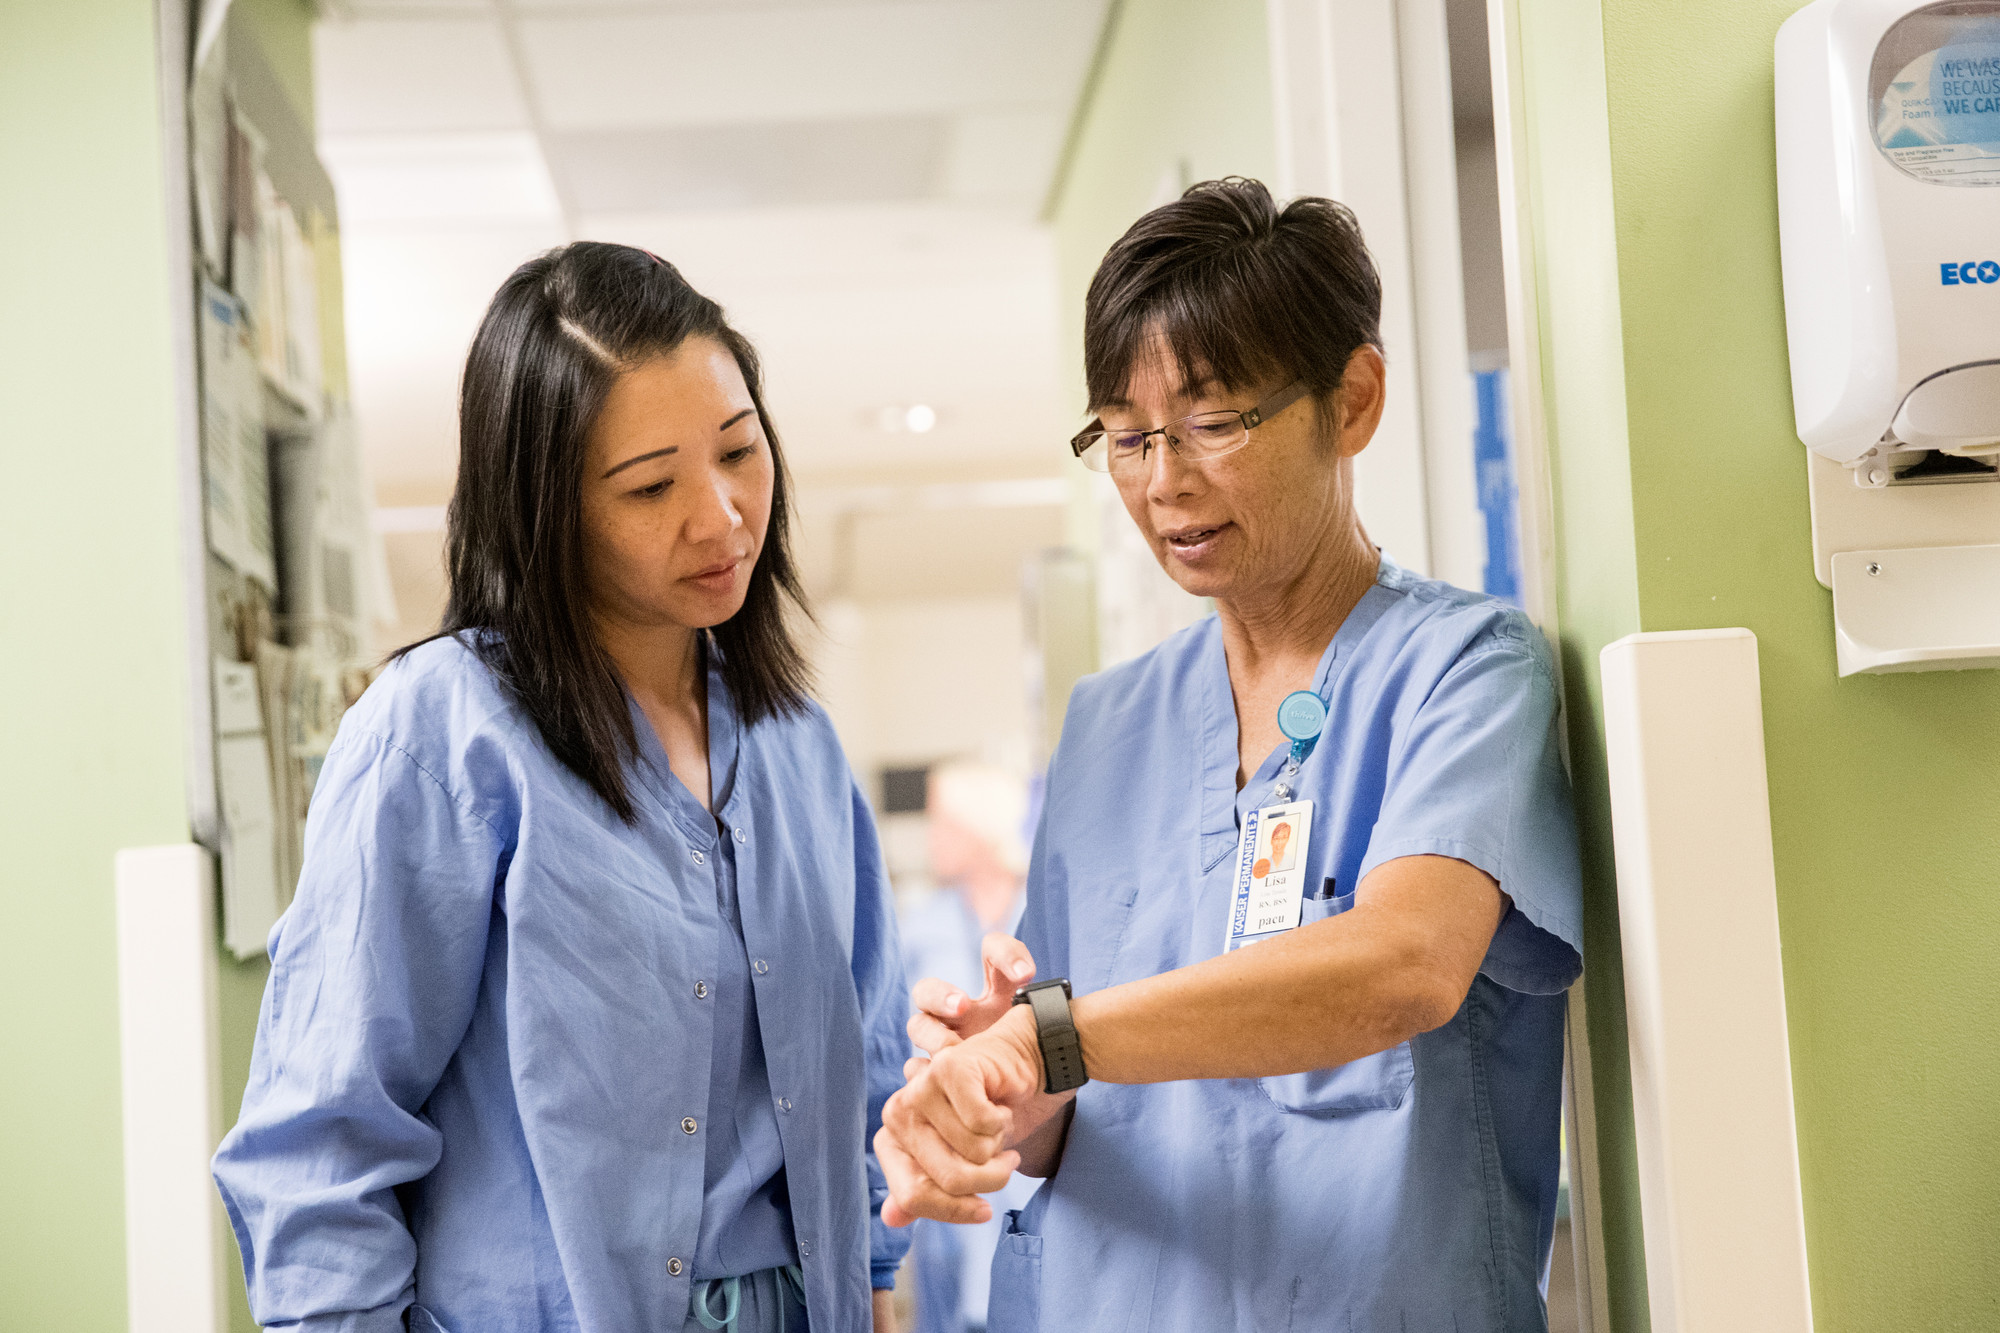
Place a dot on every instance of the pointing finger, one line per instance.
(1008, 957)
(938, 998)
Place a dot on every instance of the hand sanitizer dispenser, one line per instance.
(1888, 118)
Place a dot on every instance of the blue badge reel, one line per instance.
(1301, 717)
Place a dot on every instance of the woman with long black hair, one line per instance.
(589, 1000)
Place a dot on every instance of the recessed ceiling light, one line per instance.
(895, 418)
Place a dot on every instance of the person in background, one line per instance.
(591, 995)
(978, 819)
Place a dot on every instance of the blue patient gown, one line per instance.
(501, 1027)
(1412, 1191)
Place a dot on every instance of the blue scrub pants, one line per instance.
(771, 1300)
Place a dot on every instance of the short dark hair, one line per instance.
(555, 338)
(1241, 293)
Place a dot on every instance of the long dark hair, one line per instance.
(559, 332)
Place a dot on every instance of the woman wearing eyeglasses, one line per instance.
(1308, 1082)
(591, 994)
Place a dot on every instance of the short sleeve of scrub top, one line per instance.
(1479, 777)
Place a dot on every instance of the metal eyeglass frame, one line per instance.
(1085, 440)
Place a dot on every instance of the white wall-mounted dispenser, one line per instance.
(1888, 118)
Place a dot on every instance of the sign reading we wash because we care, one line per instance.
(1939, 118)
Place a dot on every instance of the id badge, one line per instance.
(1270, 873)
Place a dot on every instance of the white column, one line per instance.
(169, 1061)
(1704, 985)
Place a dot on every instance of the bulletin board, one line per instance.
(291, 576)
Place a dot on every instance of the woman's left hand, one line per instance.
(944, 1137)
(885, 1311)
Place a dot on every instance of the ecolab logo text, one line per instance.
(1970, 273)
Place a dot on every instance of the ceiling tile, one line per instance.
(886, 245)
(573, 7)
(432, 178)
(414, 75)
(746, 166)
(1004, 155)
(711, 66)
(346, 9)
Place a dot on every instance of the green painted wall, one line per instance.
(1681, 494)
(92, 686)
(93, 689)
(1146, 127)
(1570, 234)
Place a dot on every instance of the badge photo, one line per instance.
(1277, 848)
(1270, 873)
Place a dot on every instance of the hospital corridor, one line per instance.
(999, 666)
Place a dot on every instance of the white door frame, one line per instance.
(1362, 109)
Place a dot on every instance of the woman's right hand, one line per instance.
(946, 1015)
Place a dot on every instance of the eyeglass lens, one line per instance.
(1200, 435)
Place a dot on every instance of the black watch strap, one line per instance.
(1055, 1030)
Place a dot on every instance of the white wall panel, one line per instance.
(169, 1065)
(1704, 985)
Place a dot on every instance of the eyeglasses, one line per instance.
(1199, 436)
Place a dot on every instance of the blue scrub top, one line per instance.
(486, 1073)
(1412, 1189)
(746, 1221)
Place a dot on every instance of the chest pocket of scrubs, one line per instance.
(1107, 953)
(1376, 1082)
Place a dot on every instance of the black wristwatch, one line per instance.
(1062, 1052)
